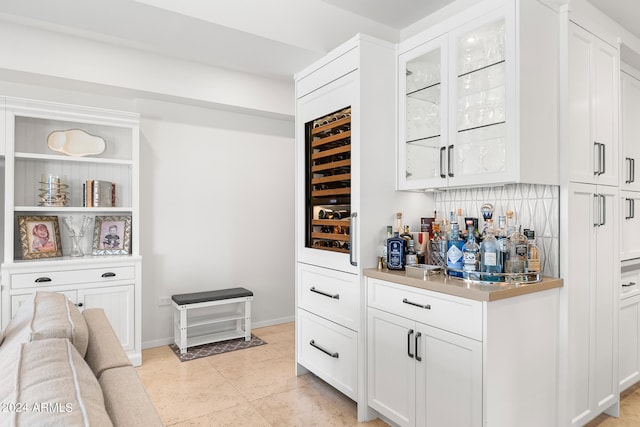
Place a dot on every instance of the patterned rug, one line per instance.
(205, 350)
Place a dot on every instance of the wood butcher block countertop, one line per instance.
(460, 288)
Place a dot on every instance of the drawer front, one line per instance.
(630, 285)
(330, 294)
(458, 315)
(329, 351)
(67, 277)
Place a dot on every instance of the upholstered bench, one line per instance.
(196, 329)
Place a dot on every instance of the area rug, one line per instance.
(205, 350)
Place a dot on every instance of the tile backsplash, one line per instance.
(535, 206)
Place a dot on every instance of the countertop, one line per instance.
(460, 288)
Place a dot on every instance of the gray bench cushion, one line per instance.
(196, 297)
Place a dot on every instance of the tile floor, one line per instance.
(257, 387)
(251, 387)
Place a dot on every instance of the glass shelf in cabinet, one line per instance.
(429, 141)
(486, 126)
(427, 93)
(476, 70)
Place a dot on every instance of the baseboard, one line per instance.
(254, 325)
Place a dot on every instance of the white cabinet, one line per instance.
(629, 328)
(630, 131)
(471, 101)
(416, 369)
(436, 359)
(592, 301)
(629, 225)
(345, 195)
(112, 282)
(593, 108)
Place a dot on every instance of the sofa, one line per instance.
(60, 366)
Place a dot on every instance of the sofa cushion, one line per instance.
(53, 382)
(126, 399)
(48, 315)
(104, 350)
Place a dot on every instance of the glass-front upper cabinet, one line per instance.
(478, 113)
(478, 99)
(423, 115)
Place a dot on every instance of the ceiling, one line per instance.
(272, 38)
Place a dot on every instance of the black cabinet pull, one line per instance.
(43, 279)
(409, 343)
(442, 150)
(626, 285)
(334, 296)
(109, 274)
(79, 304)
(325, 351)
(425, 306)
(418, 335)
(449, 160)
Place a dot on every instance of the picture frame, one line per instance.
(39, 237)
(112, 235)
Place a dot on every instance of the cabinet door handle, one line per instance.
(603, 209)
(602, 159)
(596, 210)
(633, 170)
(628, 208)
(596, 158)
(79, 304)
(442, 150)
(626, 285)
(108, 274)
(449, 160)
(43, 279)
(324, 350)
(425, 306)
(418, 335)
(409, 343)
(352, 233)
(628, 161)
(326, 294)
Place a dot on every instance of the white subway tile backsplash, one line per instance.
(535, 206)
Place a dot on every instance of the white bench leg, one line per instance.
(247, 320)
(183, 330)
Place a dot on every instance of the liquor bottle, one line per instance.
(384, 246)
(438, 252)
(533, 254)
(412, 257)
(471, 256)
(396, 252)
(501, 236)
(490, 255)
(516, 253)
(454, 251)
(406, 234)
(399, 223)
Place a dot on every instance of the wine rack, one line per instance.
(328, 148)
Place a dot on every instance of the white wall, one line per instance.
(217, 211)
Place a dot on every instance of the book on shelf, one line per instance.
(98, 194)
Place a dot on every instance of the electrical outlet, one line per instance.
(164, 301)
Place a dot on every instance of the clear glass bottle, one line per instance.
(533, 254)
(490, 256)
(471, 256)
(438, 252)
(516, 253)
(412, 257)
(454, 251)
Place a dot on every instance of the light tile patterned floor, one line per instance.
(252, 387)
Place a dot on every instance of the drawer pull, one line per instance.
(43, 279)
(418, 335)
(626, 285)
(425, 306)
(334, 296)
(324, 350)
(79, 304)
(109, 274)
(409, 333)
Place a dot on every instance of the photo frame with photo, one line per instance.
(112, 235)
(39, 237)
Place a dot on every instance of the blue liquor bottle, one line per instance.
(396, 252)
